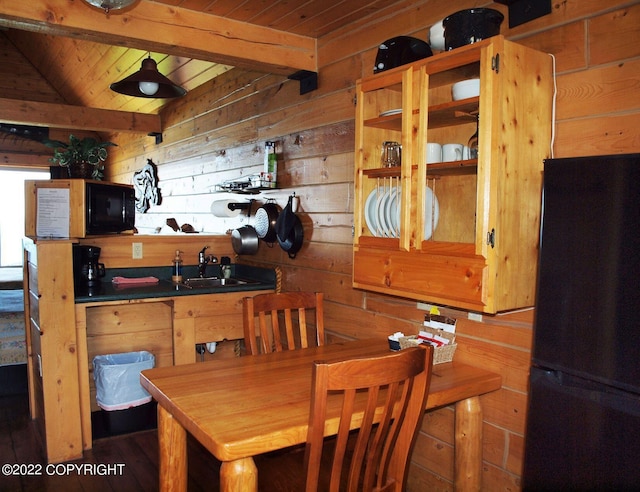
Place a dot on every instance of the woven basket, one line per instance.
(440, 354)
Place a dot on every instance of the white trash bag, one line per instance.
(117, 378)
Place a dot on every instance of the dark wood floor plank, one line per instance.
(137, 463)
(204, 468)
(19, 444)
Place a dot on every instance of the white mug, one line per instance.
(434, 152)
(465, 153)
(452, 152)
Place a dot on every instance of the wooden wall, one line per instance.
(218, 133)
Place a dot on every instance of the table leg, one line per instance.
(239, 476)
(468, 445)
(172, 444)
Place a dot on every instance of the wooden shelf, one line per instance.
(447, 114)
(391, 122)
(383, 172)
(453, 113)
(469, 166)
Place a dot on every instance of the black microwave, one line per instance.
(78, 208)
(109, 207)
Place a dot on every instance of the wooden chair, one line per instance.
(374, 457)
(264, 315)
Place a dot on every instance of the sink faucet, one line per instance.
(203, 260)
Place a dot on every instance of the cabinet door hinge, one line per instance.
(355, 100)
(491, 238)
(495, 63)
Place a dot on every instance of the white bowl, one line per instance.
(465, 89)
(436, 36)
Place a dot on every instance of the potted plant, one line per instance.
(83, 157)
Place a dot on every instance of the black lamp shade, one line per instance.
(148, 73)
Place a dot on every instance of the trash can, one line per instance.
(126, 406)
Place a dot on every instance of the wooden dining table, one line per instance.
(241, 407)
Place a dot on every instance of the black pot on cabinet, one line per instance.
(470, 26)
(400, 50)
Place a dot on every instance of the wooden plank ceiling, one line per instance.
(80, 64)
(60, 56)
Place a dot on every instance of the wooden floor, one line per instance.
(138, 452)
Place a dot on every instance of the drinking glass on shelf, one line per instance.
(473, 141)
(391, 154)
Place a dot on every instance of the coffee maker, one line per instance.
(87, 270)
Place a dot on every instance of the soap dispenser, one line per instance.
(176, 277)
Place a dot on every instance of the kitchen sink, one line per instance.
(209, 282)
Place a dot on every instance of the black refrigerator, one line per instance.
(583, 421)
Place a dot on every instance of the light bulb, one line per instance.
(148, 88)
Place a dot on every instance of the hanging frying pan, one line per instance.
(285, 221)
(293, 242)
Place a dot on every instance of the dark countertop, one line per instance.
(259, 279)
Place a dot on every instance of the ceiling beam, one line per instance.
(72, 117)
(166, 29)
(22, 160)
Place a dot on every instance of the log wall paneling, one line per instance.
(218, 131)
(598, 112)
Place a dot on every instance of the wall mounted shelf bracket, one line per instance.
(308, 80)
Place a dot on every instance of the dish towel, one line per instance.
(134, 280)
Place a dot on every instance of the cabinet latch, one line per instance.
(491, 238)
(495, 63)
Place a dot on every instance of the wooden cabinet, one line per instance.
(63, 337)
(206, 318)
(121, 328)
(52, 348)
(45, 199)
(168, 327)
(462, 233)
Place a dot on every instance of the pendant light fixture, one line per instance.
(108, 5)
(148, 82)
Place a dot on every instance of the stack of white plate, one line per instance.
(382, 212)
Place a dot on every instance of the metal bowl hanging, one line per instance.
(245, 239)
